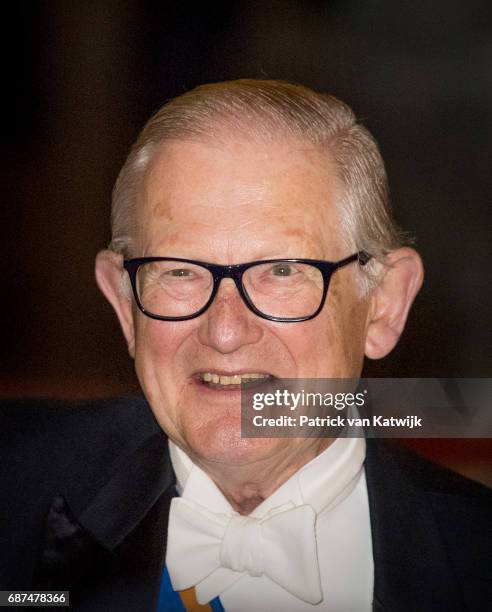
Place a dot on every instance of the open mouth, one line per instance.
(232, 382)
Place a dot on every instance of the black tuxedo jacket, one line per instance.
(85, 492)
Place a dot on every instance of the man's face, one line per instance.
(228, 204)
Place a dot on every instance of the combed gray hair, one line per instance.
(268, 109)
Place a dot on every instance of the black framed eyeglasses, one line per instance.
(282, 290)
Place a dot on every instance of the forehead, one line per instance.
(240, 200)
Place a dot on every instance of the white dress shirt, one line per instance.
(334, 485)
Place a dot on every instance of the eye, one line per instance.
(180, 272)
(283, 269)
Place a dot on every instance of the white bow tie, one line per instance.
(212, 551)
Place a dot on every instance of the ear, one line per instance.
(391, 301)
(109, 272)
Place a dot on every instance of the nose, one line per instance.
(228, 324)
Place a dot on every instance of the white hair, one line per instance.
(267, 109)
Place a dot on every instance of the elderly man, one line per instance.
(252, 240)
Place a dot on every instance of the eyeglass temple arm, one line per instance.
(362, 257)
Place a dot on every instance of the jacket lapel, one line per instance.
(110, 553)
(411, 570)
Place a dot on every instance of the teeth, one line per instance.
(231, 380)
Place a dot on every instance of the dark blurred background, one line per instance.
(81, 78)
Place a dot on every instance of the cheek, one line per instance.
(157, 350)
(161, 370)
(319, 349)
(332, 344)
(153, 342)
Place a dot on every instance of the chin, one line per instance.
(222, 443)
